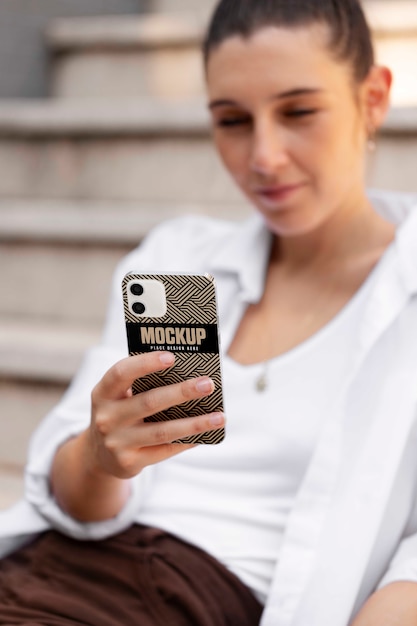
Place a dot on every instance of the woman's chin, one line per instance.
(290, 224)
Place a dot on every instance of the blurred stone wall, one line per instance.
(23, 56)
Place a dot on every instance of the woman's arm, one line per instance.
(82, 490)
(392, 605)
(90, 473)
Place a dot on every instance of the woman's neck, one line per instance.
(347, 235)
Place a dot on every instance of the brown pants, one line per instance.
(142, 577)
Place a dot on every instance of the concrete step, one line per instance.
(395, 32)
(116, 57)
(145, 151)
(115, 224)
(201, 9)
(11, 487)
(393, 165)
(57, 258)
(36, 363)
(23, 405)
(42, 351)
(56, 282)
(159, 55)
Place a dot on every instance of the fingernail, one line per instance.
(166, 358)
(217, 419)
(204, 385)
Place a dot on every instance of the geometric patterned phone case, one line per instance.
(186, 326)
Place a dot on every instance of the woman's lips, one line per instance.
(273, 195)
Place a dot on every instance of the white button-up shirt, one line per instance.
(354, 522)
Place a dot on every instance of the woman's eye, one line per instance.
(231, 122)
(300, 112)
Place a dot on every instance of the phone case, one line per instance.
(188, 328)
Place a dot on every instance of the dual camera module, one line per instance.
(137, 307)
(146, 296)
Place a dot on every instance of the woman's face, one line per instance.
(289, 125)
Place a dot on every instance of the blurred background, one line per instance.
(104, 133)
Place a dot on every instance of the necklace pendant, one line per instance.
(261, 383)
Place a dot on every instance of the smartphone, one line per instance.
(176, 313)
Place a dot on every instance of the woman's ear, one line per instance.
(376, 100)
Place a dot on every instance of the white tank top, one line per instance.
(233, 500)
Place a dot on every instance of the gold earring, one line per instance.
(371, 140)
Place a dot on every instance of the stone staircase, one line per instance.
(155, 56)
(122, 143)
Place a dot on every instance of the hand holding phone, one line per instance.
(172, 325)
(176, 313)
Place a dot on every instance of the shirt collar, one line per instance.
(406, 246)
(246, 254)
(401, 209)
(246, 251)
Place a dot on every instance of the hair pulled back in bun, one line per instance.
(350, 37)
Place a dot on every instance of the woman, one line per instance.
(306, 514)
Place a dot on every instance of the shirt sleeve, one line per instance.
(403, 566)
(72, 415)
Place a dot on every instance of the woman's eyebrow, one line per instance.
(302, 91)
(221, 103)
(279, 96)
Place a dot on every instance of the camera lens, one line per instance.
(138, 308)
(136, 289)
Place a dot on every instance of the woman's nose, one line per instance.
(269, 150)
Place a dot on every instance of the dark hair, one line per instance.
(350, 37)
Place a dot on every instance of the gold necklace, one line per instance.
(261, 383)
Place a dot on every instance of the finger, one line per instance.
(154, 434)
(119, 378)
(132, 410)
(131, 462)
(157, 454)
(123, 414)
